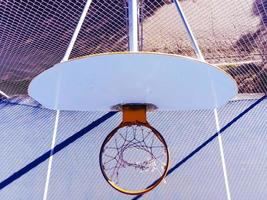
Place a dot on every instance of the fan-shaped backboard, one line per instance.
(102, 81)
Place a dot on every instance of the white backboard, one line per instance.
(96, 83)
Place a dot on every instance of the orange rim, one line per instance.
(155, 183)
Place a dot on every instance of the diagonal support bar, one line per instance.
(4, 94)
(189, 31)
(77, 30)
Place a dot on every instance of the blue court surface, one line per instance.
(196, 170)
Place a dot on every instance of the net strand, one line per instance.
(133, 137)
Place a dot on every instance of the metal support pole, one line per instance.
(77, 30)
(4, 94)
(189, 31)
(133, 25)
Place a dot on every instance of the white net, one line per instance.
(134, 157)
(35, 34)
(104, 29)
(231, 35)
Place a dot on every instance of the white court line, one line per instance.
(201, 58)
(51, 156)
(226, 182)
(65, 58)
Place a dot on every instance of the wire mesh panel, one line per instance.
(190, 135)
(34, 35)
(231, 34)
(104, 29)
(250, 77)
(25, 135)
(245, 151)
(218, 27)
(162, 29)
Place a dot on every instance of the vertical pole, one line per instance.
(189, 31)
(133, 25)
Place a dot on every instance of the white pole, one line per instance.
(77, 30)
(133, 25)
(189, 31)
(201, 57)
(4, 94)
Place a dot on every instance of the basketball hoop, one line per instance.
(98, 82)
(134, 150)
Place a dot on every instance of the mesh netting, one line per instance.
(163, 30)
(250, 77)
(35, 34)
(231, 34)
(218, 27)
(34, 37)
(104, 30)
(26, 134)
